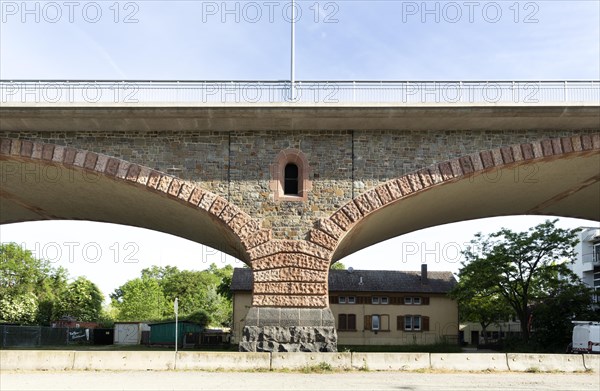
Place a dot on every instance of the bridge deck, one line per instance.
(144, 118)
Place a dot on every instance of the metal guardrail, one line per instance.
(320, 93)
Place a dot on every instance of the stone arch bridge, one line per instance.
(215, 174)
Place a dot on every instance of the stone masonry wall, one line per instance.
(236, 165)
(291, 272)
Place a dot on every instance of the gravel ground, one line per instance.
(347, 381)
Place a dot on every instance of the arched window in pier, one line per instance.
(290, 175)
(290, 183)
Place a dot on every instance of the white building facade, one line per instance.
(587, 263)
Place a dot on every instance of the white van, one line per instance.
(586, 337)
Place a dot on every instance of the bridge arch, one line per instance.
(558, 177)
(53, 182)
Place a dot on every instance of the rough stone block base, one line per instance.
(289, 330)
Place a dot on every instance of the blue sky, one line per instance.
(374, 40)
(335, 40)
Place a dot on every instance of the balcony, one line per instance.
(591, 260)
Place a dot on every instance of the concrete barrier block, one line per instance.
(523, 362)
(469, 361)
(36, 360)
(390, 361)
(223, 360)
(124, 361)
(300, 360)
(592, 362)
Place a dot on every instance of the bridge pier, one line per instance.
(290, 307)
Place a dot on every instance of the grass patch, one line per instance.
(436, 348)
(533, 370)
(321, 367)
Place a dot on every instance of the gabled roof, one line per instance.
(241, 279)
(372, 281)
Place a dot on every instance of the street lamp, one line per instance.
(176, 308)
(293, 53)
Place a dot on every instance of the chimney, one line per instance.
(424, 279)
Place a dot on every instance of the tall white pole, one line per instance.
(293, 54)
(176, 307)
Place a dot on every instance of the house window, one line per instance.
(416, 323)
(379, 300)
(347, 322)
(413, 300)
(342, 300)
(413, 323)
(375, 324)
(351, 300)
(290, 186)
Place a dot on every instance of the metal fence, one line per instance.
(33, 336)
(321, 93)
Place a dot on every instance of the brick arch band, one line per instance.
(230, 217)
(331, 232)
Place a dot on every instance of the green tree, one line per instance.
(108, 316)
(484, 308)
(49, 293)
(201, 294)
(519, 266)
(225, 271)
(25, 280)
(224, 288)
(219, 308)
(159, 273)
(223, 304)
(201, 317)
(20, 272)
(199, 291)
(189, 286)
(338, 266)
(140, 299)
(82, 300)
(19, 308)
(568, 299)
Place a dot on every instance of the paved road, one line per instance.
(347, 381)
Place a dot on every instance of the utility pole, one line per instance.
(176, 307)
